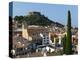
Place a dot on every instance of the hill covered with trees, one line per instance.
(36, 18)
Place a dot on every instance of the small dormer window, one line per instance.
(44, 37)
(47, 37)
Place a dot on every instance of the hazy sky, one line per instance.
(55, 12)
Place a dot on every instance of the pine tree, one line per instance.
(68, 48)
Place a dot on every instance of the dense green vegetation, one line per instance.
(68, 47)
(36, 19)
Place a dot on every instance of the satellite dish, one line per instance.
(41, 35)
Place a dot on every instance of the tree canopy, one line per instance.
(35, 19)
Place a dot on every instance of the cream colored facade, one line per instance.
(25, 33)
